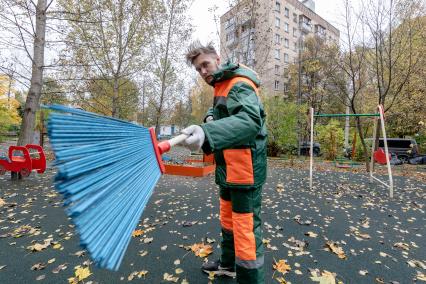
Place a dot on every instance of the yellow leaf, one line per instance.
(73, 280)
(325, 277)
(57, 246)
(2, 202)
(50, 261)
(281, 266)
(137, 233)
(82, 273)
(178, 270)
(142, 273)
(201, 249)
(336, 249)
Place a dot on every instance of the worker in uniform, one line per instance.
(234, 130)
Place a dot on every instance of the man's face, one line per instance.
(206, 65)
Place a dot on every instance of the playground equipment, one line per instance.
(23, 163)
(192, 167)
(377, 116)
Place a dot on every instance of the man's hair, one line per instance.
(196, 48)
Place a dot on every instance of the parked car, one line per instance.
(306, 145)
(403, 148)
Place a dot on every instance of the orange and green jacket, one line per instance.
(237, 136)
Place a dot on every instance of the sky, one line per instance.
(206, 30)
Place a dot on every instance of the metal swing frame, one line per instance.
(377, 116)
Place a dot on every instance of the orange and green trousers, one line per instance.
(242, 233)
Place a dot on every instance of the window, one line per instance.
(286, 57)
(277, 54)
(277, 69)
(277, 85)
(230, 36)
(285, 87)
(286, 27)
(277, 22)
(294, 32)
(286, 42)
(286, 12)
(277, 6)
(295, 17)
(286, 73)
(277, 39)
(295, 46)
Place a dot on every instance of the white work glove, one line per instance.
(195, 139)
(209, 118)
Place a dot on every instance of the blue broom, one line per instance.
(107, 170)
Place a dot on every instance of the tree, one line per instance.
(201, 96)
(98, 94)
(53, 93)
(9, 115)
(26, 22)
(281, 122)
(106, 44)
(409, 111)
(167, 53)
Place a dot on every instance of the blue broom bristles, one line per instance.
(107, 170)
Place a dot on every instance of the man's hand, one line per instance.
(195, 139)
(209, 118)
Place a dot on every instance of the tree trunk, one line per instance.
(364, 146)
(33, 98)
(115, 106)
(165, 68)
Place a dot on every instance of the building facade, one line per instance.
(267, 35)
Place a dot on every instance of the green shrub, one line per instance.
(331, 137)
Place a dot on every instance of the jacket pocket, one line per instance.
(239, 166)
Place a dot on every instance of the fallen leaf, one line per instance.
(2, 266)
(416, 263)
(50, 261)
(363, 272)
(41, 277)
(281, 266)
(137, 233)
(82, 273)
(170, 277)
(311, 234)
(176, 262)
(80, 253)
(403, 246)
(2, 202)
(336, 249)
(324, 277)
(201, 249)
(40, 247)
(57, 246)
(59, 268)
(38, 266)
(421, 276)
(178, 270)
(148, 240)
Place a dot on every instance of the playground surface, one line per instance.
(344, 225)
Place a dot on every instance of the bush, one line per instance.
(331, 137)
(281, 121)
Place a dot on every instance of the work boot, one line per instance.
(217, 269)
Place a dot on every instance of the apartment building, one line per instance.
(266, 35)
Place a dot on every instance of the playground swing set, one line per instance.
(381, 156)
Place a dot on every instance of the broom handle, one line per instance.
(178, 139)
(165, 146)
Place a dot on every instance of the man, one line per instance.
(235, 131)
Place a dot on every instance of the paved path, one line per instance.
(377, 236)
